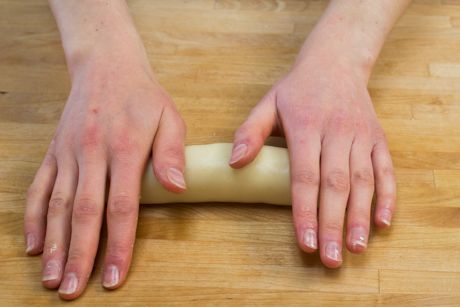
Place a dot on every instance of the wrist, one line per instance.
(351, 33)
(110, 52)
(341, 48)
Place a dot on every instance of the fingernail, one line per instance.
(111, 276)
(358, 237)
(69, 285)
(52, 271)
(30, 243)
(333, 251)
(238, 153)
(309, 238)
(385, 216)
(176, 177)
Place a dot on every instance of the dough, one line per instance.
(209, 178)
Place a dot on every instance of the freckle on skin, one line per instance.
(95, 110)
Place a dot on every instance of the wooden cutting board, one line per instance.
(217, 59)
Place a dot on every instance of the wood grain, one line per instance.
(217, 59)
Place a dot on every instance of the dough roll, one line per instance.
(209, 178)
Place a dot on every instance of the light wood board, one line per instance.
(217, 58)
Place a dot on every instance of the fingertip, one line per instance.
(68, 287)
(111, 277)
(357, 238)
(383, 219)
(176, 177)
(33, 246)
(308, 241)
(51, 284)
(244, 153)
(238, 153)
(332, 255)
(171, 178)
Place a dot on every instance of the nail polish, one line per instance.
(238, 153)
(176, 177)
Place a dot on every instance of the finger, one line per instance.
(58, 223)
(335, 188)
(361, 192)
(122, 213)
(37, 200)
(86, 225)
(250, 137)
(304, 152)
(169, 152)
(385, 183)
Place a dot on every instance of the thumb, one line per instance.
(169, 151)
(251, 136)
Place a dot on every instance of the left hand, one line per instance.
(336, 148)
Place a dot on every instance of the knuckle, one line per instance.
(387, 172)
(361, 125)
(76, 255)
(244, 129)
(340, 121)
(308, 118)
(334, 228)
(363, 177)
(362, 216)
(121, 207)
(124, 145)
(338, 181)
(86, 209)
(306, 177)
(380, 136)
(119, 251)
(59, 204)
(174, 152)
(89, 138)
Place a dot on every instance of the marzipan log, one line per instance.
(209, 178)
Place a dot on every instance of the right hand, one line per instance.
(116, 115)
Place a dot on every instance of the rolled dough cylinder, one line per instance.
(209, 178)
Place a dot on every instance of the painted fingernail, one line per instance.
(358, 237)
(385, 216)
(69, 285)
(111, 276)
(176, 177)
(30, 243)
(309, 238)
(333, 251)
(238, 153)
(52, 271)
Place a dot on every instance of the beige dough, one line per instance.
(209, 178)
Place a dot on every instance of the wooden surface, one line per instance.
(217, 58)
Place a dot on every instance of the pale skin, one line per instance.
(117, 115)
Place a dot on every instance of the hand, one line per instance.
(115, 116)
(336, 146)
